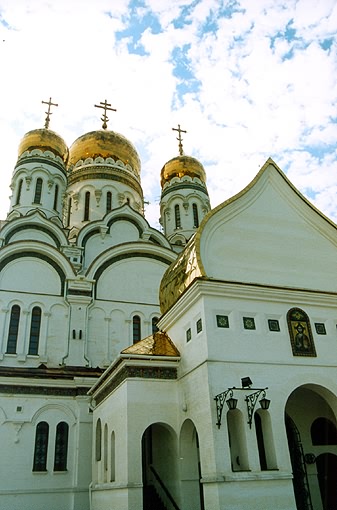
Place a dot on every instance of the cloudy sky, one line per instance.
(247, 79)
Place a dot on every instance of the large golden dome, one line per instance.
(104, 144)
(45, 140)
(181, 166)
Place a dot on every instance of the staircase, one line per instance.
(152, 500)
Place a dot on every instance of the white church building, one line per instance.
(193, 368)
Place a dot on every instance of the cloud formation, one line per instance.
(247, 80)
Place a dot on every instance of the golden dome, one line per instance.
(181, 166)
(104, 144)
(45, 140)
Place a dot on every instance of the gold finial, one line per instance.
(181, 152)
(48, 113)
(105, 107)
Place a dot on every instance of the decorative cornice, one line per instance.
(183, 184)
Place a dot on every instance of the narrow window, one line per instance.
(13, 330)
(136, 328)
(98, 440)
(18, 195)
(108, 201)
(86, 206)
(69, 212)
(61, 446)
(195, 216)
(38, 191)
(154, 325)
(177, 216)
(112, 460)
(41, 446)
(56, 196)
(260, 442)
(105, 453)
(34, 331)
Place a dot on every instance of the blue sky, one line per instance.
(246, 79)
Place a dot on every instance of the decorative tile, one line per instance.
(199, 326)
(249, 322)
(188, 334)
(222, 321)
(274, 325)
(320, 328)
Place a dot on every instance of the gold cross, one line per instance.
(48, 113)
(181, 152)
(105, 107)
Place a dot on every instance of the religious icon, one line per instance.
(300, 333)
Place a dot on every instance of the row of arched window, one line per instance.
(137, 328)
(87, 199)
(37, 193)
(177, 216)
(103, 445)
(41, 446)
(34, 332)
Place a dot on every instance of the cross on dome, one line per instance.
(180, 140)
(106, 106)
(48, 113)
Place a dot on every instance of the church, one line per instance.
(191, 368)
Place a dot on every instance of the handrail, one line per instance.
(163, 486)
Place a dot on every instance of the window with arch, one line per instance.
(323, 432)
(41, 446)
(177, 216)
(34, 335)
(69, 212)
(86, 206)
(195, 216)
(61, 446)
(98, 440)
(264, 439)
(38, 191)
(108, 201)
(136, 329)
(18, 195)
(56, 196)
(105, 453)
(237, 440)
(13, 330)
(154, 325)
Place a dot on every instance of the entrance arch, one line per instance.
(160, 467)
(190, 469)
(306, 406)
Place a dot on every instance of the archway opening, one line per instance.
(190, 468)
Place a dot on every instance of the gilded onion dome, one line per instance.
(181, 166)
(104, 144)
(44, 140)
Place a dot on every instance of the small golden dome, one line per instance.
(181, 166)
(45, 140)
(104, 144)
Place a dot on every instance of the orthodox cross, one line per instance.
(48, 113)
(181, 152)
(106, 107)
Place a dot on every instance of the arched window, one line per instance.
(237, 440)
(56, 196)
(98, 440)
(86, 206)
(260, 442)
(195, 216)
(154, 325)
(136, 329)
(34, 331)
(38, 191)
(323, 432)
(41, 446)
(13, 330)
(108, 201)
(265, 440)
(69, 212)
(177, 216)
(112, 460)
(105, 453)
(18, 195)
(61, 446)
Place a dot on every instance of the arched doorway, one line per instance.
(308, 407)
(161, 490)
(190, 470)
